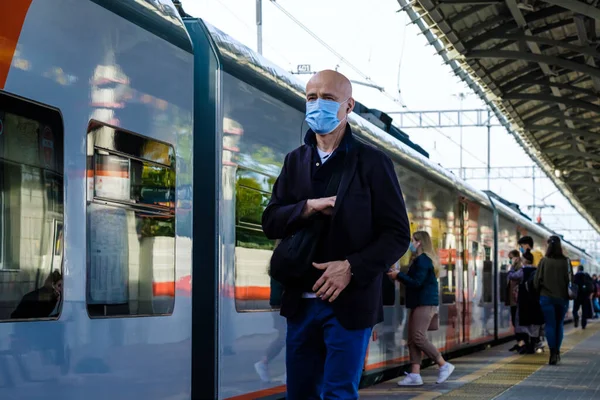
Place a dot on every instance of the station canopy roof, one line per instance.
(535, 63)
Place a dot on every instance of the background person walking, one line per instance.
(552, 282)
(422, 298)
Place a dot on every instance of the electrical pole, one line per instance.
(461, 96)
(489, 150)
(533, 203)
(259, 26)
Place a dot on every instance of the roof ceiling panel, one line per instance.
(535, 62)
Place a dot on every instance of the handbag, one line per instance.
(573, 289)
(294, 255)
(434, 325)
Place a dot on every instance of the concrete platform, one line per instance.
(496, 373)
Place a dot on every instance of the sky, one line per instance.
(381, 43)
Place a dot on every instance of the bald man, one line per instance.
(338, 208)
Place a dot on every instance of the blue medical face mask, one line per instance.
(412, 247)
(522, 249)
(321, 115)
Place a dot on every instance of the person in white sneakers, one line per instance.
(422, 298)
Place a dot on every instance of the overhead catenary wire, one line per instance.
(468, 152)
(336, 53)
(366, 77)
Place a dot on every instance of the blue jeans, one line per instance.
(324, 360)
(554, 315)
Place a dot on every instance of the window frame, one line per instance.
(47, 116)
(145, 209)
(240, 173)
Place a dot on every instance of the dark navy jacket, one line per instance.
(422, 287)
(369, 226)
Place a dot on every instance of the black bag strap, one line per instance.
(336, 178)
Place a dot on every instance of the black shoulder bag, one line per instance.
(294, 255)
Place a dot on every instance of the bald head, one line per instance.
(331, 85)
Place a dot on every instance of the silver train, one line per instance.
(137, 153)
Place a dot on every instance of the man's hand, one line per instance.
(335, 279)
(392, 274)
(324, 205)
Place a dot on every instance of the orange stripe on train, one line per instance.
(12, 17)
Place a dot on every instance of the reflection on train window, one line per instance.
(258, 131)
(31, 211)
(130, 224)
(503, 285)
(488, 277)
(431, 208)
(252, 248)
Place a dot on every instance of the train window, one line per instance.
(253, 287)
(258, 131)
(31, 210)
(488, 276)
(130, 224)
(503, 284)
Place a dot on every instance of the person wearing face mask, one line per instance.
(422, 298)
(351, 193)
(513, 295)
(526, 243)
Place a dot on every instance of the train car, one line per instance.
(96, 122)
(260, 110)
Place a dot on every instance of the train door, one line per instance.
(469, 249)
(464, 272)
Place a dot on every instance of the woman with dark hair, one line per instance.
(552, 283)
(513, 295)
(528, 317)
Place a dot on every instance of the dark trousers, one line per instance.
(586, 311)
(324, 360)
(518, 336)
(554, 310)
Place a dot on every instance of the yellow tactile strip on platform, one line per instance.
(496, 382)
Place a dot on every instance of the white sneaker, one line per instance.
(263, 371)
(411, 380)
(445, 372)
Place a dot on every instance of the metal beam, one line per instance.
(259, 39)
(577, 7)
(583, 40)
(553, 99)
(475, 30)
(537, 58)
(469, 2)
(532, 116)
(574, 153)
(508, 26)
(443, 118)
(536, 51)
(564, 129)
(583, 48)
(554, 115)
(501, 172)
(586, 184)
(564, 86)
(468, 12)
